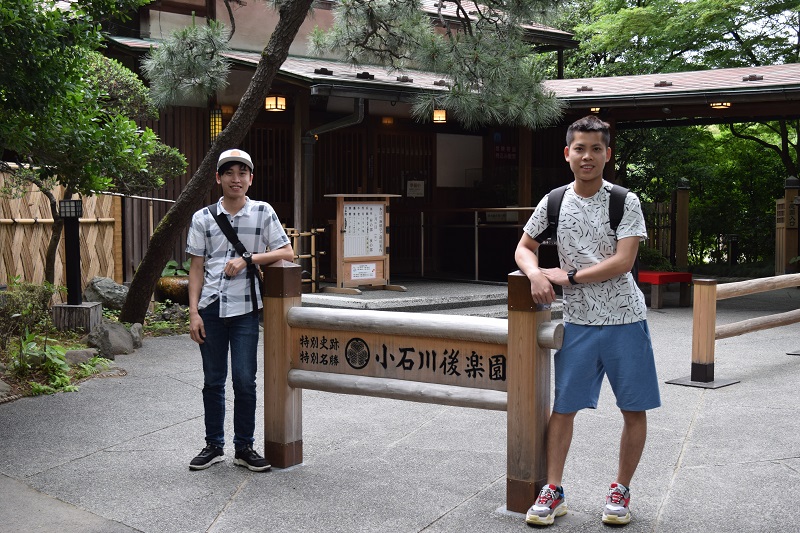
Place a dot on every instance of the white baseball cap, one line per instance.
(239, 156)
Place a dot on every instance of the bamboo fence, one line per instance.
(26, 226)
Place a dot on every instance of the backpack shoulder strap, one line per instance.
(554, 198)
(616, 207)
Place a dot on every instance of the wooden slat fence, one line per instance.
(25, 228)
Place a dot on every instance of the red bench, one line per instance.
(658, 280)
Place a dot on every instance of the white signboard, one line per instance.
(363, 270)
(363, 230)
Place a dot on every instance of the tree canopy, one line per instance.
(736, 170)
(67, 113)
(481, 50)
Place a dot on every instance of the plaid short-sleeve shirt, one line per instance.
(258, 229)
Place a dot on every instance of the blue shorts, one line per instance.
(622, 352)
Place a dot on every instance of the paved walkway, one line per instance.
(114, 456)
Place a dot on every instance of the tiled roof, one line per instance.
(449, 11)
(770, 83)
(777, 80)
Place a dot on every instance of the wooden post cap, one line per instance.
(519, 294)
(283, 279)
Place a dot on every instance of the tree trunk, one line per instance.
(292, 15)
(52, 250)
(55, 237)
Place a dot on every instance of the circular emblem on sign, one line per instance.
(357, 353)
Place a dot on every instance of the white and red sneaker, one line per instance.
(617, 509)
(548, 506)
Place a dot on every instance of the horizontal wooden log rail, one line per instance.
(398, 389)
(756, 324)
(463, 361)
(705, 331)
(100, 220)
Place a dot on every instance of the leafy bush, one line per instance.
(651, 259)
(23, 307)
(172, 268)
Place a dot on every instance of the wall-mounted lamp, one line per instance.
(275, 103)
(387, 121)
(594, 109)
(215, 123)
(439, 116)
(227, 110)
(720, 105)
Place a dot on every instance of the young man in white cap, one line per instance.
(224, 302)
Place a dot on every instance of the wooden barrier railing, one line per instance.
(477, 362)
(705, 331)
(313, 253)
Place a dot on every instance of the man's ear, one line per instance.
(566, 153)
(608, 154)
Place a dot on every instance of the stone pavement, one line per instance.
(114, 456)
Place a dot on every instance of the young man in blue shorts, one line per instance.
(605, 320)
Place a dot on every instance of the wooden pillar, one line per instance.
(301, 209)
(703, 330)
(528, 396)
(791, 189)
(682, 228)
(525, 174)
(283, 412)
(116, 214)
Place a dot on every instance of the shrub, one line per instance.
(651, 259)
(23, 307)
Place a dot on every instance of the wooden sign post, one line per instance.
(463, 361)
(362, 243)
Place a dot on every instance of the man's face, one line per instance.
(587, 155)
(235, 181)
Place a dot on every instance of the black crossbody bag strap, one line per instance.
(225, 225)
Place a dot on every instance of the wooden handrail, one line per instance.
(99, 220)
(705, 332)
(754, 286)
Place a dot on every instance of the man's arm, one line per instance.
(196, 277)
(619, 263)
(525, 255)
(267, 258)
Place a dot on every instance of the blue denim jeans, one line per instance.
(240, 333)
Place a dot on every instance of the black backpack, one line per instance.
(616, 208)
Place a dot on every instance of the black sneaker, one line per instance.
(249, 458)
(208, 456)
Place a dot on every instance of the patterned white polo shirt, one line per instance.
(585, 238)
(258, 229)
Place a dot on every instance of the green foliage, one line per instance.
(91, 367)
(188, 66)
(42, 54)
(67, 114)
(23, 306)
(29, 348)
(734, 172)
(80, 131)
(123, 91)
(482, 53)
(651, 259)
(643, 37)
(172, 268)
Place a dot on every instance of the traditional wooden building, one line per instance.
(342, 130)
